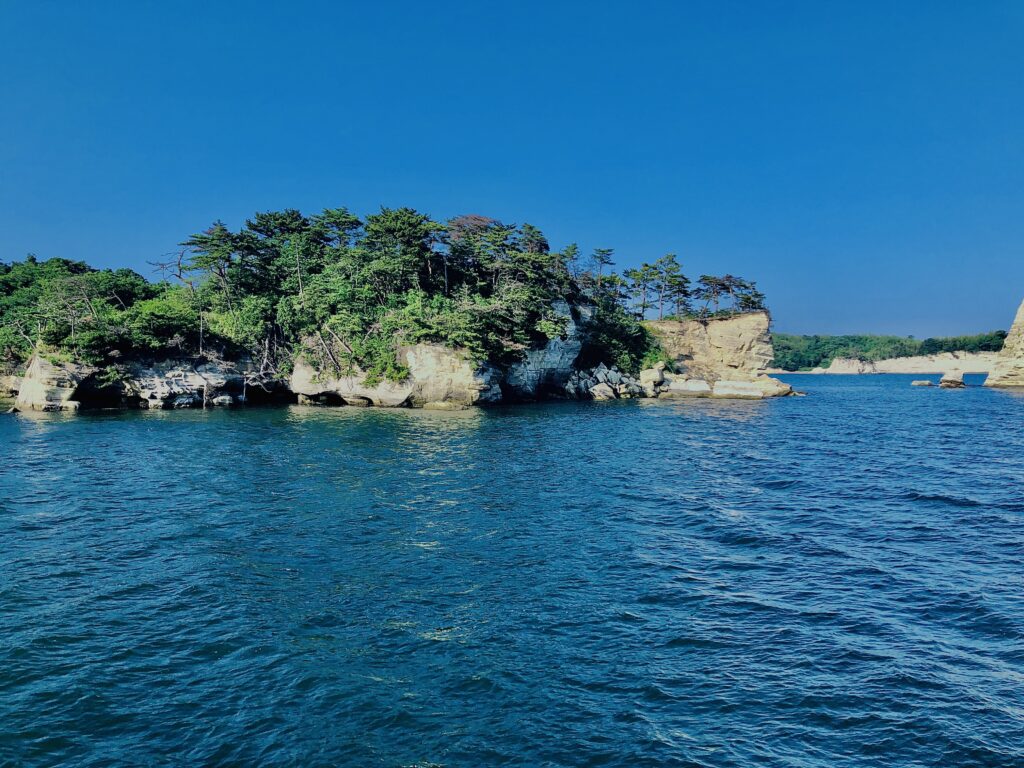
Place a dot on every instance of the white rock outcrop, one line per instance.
(54, 386)
(735, 347)
(183, 384)
(443, 375)
(1008, 370)
(437, 374)
(952, 380)
(679, 386)
(597, 384)
(49, 386)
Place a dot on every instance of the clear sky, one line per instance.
(863, 161)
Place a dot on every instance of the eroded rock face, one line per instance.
(182, 384)
(1008, 370)
(735, 348)
(725, 357)
(848, 365)
(9, 385)
(443, 375)
(547, 370)
(437, 374)
(49, 386)
(312, 385)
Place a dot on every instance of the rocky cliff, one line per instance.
(50, 385)
(731, 348)
(724, 357)
(438, 377)
(1008, 370)
(441, 377)
(547, 369)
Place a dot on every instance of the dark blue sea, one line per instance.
(833, 580)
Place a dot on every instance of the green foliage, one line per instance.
(796, 353)
(168, 320)
(60, 305)
(349, 292)
(617, 336)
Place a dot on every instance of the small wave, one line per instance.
(940, 498)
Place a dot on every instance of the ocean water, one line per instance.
(834, 580)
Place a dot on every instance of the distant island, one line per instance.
(389, 309)
(804, 353)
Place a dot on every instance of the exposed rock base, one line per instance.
(952, 380)
(52, 386)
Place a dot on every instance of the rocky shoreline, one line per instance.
(722, 358)
(967, 362)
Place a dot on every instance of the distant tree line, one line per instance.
(350, 291)
(797, 353)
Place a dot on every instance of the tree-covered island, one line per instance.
(349, 291)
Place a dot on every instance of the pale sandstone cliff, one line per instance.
(443, 377)
(737, 347)
(437, 375)
(48, 386)
(1008, 370)
(725, 357)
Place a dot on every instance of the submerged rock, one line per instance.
(921, 383)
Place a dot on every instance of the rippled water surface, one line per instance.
(833, 580)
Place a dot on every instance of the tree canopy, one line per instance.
(350, 291)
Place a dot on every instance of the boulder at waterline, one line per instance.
(952, 380)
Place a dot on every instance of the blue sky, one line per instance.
(863, 161)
